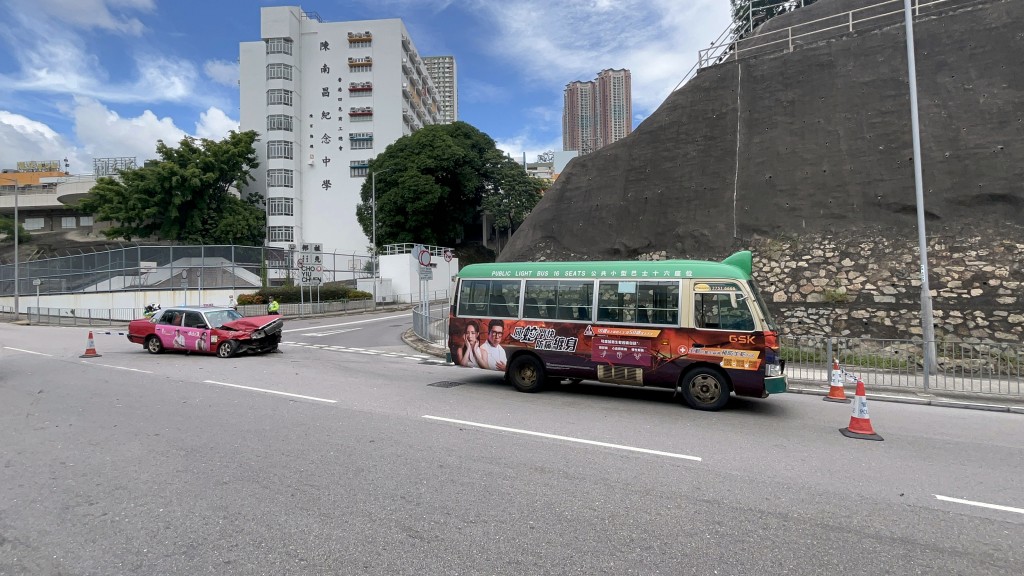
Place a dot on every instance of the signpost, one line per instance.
(310, 265)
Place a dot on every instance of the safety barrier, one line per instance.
(995, 368)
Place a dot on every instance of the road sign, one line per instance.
(448, 255)
(311, 269)
(423, 257)
(426, 273)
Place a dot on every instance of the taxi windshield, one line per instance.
(220, 317)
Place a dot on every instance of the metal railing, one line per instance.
(81, 316)
(739, 44)
(431, 324)
(995, 368)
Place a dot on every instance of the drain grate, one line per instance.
(445, 384)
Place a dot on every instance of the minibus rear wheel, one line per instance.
(526, 373)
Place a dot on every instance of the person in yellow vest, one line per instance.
(273, 307)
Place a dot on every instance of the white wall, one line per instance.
(132, 300)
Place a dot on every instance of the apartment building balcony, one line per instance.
(360, 64)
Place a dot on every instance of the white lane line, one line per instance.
(348, 323)
(567, 438)
(26, 351)
(270, 391)
(118, 367)
(980, 504)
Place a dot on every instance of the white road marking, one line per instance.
(567, 438)
(332, 332)
(270, 391)
(347, 323)
(118, 367)
(980, 504)
(26, 351)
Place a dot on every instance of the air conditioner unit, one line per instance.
(291, 246)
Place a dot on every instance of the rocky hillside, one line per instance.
(803, 150)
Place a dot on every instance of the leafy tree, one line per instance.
(763, 10)
(429, 185)
(185, 195)
(7, 231)
(512, 196)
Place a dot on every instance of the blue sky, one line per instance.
(88, 78)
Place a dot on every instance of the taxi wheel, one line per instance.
(226, 349)
(153, 345)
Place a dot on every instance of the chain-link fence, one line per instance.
(141, 267)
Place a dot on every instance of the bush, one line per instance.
(290, 295)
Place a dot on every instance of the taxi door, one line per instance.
(168, 329)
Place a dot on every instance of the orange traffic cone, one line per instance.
(836, 392)
(90, 349)
(860, 421)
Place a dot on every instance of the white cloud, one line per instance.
(103, 132)
(100, 133)
(215, 124)
(524, 143)
(104, 14)
(22, 138)
(550, 44)
(222, 72)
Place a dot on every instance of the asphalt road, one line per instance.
(350, 453)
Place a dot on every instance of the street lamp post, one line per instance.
(927, 322)
(373, 240)
(17, 310)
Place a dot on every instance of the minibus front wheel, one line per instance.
(526, 372)
(705, 388)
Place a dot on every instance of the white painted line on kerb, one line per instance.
(980, 504)
(567, 438)
(270, 391)
(347, 323)
(117, 367)
(26, 351)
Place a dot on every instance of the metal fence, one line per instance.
(431, 323)
(142, 267)
(995, 368)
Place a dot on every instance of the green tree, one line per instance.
(7, 231)
(185, 195)
(429, 185)
(512, 195)
(749, 14)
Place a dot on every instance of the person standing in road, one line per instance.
(273, 307)
(496, 357)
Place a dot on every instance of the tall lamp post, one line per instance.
(927, 322)
(373, 241)
(17, 310)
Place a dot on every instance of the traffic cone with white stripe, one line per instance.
(836, 392)
(90, 348)
(860, 421)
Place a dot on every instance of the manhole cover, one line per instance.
(445, 384)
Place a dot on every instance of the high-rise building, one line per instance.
(598, 112)
(443, 71)
(579, 117)
(326, 97)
